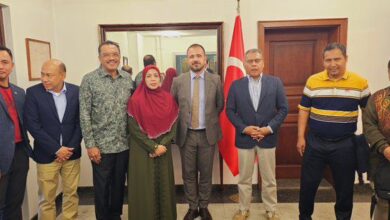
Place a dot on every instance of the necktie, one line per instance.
(195, 104)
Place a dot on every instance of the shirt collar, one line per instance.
(325, 76)
(104, 73)
(63, 91)
(250, 78)
(194, 74)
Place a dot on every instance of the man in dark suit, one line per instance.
(52, 118)
(200, 98)
(14, 144)
(256, 106)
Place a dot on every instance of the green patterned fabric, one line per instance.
(103, 110)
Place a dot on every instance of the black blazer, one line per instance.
(271, 111)
(41, 118)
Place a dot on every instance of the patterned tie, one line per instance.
(195, 104)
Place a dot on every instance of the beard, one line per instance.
(196, 68)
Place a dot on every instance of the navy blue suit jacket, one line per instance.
(44, 125)
(271, 111)
(7, 131)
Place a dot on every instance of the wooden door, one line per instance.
(293, 51)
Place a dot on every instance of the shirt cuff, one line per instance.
(270, 129)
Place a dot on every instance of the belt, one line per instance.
(197, 130)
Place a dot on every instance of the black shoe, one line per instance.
(205, 214)
(191, 214)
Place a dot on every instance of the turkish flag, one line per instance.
(235, 70)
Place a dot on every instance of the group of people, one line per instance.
(129, 131)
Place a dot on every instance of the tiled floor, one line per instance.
(223, 202)
(288, 211)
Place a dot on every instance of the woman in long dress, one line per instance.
(152, 125)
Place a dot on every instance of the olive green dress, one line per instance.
(150, 180)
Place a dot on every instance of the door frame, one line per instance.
(339, 25)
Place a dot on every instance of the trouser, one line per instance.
(340, 156)
(48, 176)
(109, 178)
(13, 185)
(266, 162)
(197, 155)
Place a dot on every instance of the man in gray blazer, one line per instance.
(256, 106)
(200, 98)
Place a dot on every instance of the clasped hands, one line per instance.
(160, 150)
(63, 154)
(256, 132)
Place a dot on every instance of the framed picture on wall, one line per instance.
(183, 67)
(37, 53)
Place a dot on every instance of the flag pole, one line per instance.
(238, 7)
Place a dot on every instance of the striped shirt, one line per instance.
(333, 105)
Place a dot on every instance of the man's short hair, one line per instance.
(108, 42)
(334, 45)
(62, 67)
(149, 60)
(3, 48)
(196, 45)
(253, 50)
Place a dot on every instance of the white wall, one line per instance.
(28, 19)
(74, 30)
(368, 29)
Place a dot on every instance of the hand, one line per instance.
(64, 153)
(386, 152)
(94, 154)
(251, 130)
(160, 150)
(301, 145)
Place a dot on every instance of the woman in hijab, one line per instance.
(170, 73)
(152, 125)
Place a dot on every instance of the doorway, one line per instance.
(293, 51)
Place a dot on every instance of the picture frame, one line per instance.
(37, 53)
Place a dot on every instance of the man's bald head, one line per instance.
(53, 74)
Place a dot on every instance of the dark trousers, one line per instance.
(197, 156)
(340, 156)
(109, 183)
(13, 185)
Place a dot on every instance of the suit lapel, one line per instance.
(4, 105)
(50, 101)
(68, 96)
(247, 94)
(207, 86)
(188, 90)
(264, 89)
(19, 106)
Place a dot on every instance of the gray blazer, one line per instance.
(181, 91)
(7, 132)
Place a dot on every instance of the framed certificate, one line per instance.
(37, 53)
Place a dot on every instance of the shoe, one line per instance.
(272, 215)
(241, 215)
(205, 214)
(191, 214)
